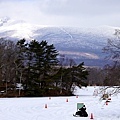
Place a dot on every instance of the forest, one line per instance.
(34, 69)
(37, 69)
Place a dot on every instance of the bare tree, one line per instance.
(113, 71)
(96, 76)
(7, 54)
(113, 47)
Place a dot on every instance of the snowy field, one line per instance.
(58, 108)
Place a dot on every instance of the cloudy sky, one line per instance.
(75, 13)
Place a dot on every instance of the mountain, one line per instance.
(80, 44)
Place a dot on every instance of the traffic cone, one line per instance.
(91, 117)
(66, 100)
(106, 103)
(46, 106)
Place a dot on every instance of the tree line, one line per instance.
(34, 69)
(37, 69)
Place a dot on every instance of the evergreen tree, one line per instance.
(39, 60)
(66, 77)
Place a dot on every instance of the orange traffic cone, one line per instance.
(46, 106)
(66, 100)
(91, 117)
(106, 103)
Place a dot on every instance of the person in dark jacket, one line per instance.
(82, 112)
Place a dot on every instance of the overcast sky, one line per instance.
(75, 13)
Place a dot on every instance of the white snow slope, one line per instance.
(58, 108)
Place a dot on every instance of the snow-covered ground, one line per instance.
(58, 108)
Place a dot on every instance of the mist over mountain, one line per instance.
(79, 44)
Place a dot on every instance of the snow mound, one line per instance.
(85, 91)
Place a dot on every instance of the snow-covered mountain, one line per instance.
(80, 44)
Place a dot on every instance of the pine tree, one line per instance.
(39, 60)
